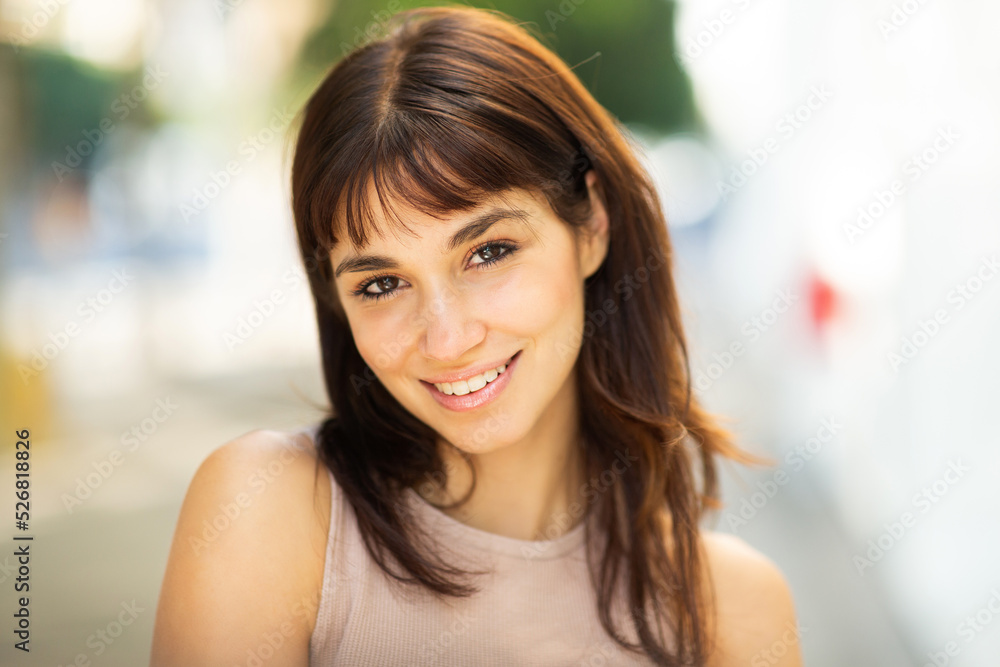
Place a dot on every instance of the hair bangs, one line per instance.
(429, 163)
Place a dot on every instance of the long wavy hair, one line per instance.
(450, 106)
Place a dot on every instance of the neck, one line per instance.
(527, 490)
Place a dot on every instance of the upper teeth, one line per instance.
(474, 383)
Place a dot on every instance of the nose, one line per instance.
(452, 326)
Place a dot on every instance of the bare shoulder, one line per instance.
(246, 564)
(756, 612)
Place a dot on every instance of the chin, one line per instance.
(487, 436)
(495, 430)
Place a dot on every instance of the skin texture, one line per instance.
(756, 612)
(262, 573)
(259, 577)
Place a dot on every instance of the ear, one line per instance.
(593, 243)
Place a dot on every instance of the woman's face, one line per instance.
(499, 284)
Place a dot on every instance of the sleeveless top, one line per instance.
(536, 606)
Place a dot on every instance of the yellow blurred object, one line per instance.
(24, 405)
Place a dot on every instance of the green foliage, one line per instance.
(622, 51)
(62, 96)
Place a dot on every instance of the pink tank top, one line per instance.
(535, 608)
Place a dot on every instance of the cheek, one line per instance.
(382, 337)
(539, 300)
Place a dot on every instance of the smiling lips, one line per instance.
(472, 391)
(471, 384)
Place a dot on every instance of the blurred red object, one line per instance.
(822, 302)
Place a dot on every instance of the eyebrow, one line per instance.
(469, 232)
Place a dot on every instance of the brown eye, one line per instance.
(386, 284)
(492, 252)
(488, 252)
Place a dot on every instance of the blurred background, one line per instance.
(829, 172)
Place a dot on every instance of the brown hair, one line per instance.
(451, 106)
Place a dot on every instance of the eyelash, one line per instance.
(508, 249)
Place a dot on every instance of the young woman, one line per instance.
(514, 467)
